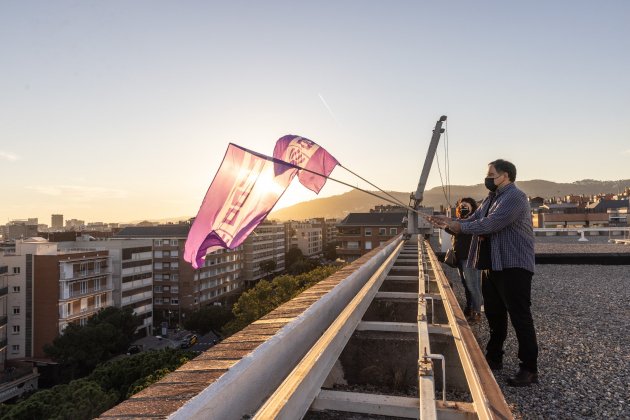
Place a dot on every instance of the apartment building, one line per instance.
(265, 244)
(20, 229)
(328, 227)
(177, 287)
(51, 288)
(132, 275)
(306, 236)
(4, 305)
(56, 222)
(359, 233)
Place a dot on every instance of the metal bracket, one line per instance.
(427, 358)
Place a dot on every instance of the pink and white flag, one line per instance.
(245, 189)
(307, 154)
(243, 192)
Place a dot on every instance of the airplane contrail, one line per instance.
(328, 108)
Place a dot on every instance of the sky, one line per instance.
(116, 111)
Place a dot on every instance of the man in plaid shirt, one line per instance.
(503, 248)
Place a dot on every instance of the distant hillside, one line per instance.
(356, 201)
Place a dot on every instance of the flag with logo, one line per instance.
(307, 154)
(243, 192)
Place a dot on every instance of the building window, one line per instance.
(175, 289)
(157, 242)
(393, 231)
(368, 231)
(382, 231)
(174, 301)
(16, 289)
(15, 348)
(368, 244)
(16, 329)
(157, 289)
(157, 301)
(173, 242)
(16, 310)
(16, 270)
(166, 301)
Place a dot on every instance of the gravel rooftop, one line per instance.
(582, 319)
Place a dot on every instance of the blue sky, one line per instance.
(122, 110)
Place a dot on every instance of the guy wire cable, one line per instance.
(375, 186)
(437, 158)
(276, 160)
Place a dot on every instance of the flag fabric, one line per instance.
(244, 190)
(307, 154)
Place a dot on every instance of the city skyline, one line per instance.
(117, 112)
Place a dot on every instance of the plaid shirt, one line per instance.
(509, 226)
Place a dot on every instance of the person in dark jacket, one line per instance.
(469, 275)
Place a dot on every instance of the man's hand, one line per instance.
(454, 226)
(444, 222)
(438, 221)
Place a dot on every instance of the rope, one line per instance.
(280, 161)
(375, 186)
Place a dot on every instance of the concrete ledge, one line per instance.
(232, 379)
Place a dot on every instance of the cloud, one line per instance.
(79, 193)
(627, 152)
(8, 156)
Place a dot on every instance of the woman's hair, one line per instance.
(471, 201)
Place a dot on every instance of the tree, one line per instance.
(292, 256)
(301, 266)
(265, 296)
(108, 385)
(81, 348)
(268, 266)
(330, 251)
(208, 318)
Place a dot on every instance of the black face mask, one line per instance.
(490, 184)
(464, 212)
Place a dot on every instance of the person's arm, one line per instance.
(505, 212)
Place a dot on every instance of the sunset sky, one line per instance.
(122, 110)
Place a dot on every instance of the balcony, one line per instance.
(80, 275)
(87, 311)
(69, 294)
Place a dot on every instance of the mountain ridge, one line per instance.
(355, 201)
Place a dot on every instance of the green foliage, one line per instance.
(292, 256)
(81, 348)
(80, 399)
(146, 381)
(123, 373)
(268, 266)
(301, 267)
(268, 295)
(123, 320)
(330, 251)
(107, 386)
(208, 318)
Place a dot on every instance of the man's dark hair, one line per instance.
(504, 166)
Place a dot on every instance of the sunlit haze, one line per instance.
(117, 111)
